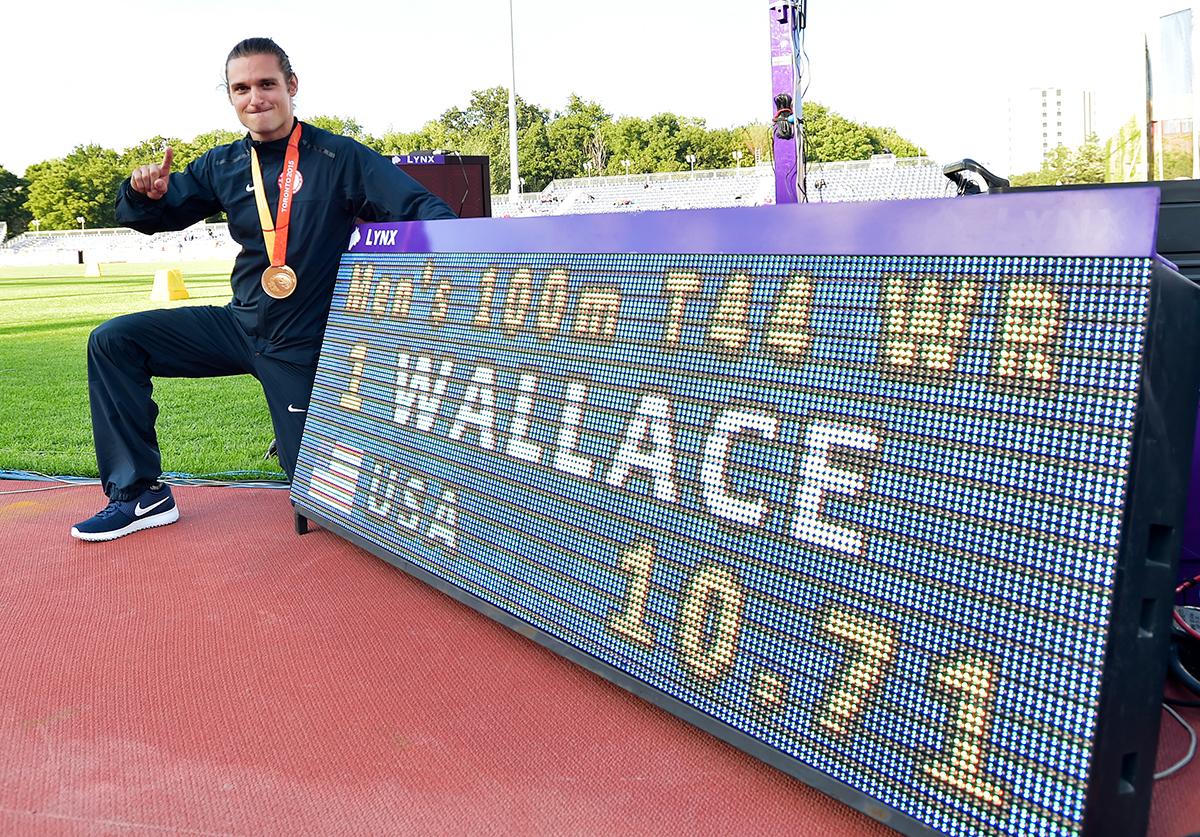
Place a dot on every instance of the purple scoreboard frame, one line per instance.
(887, 495)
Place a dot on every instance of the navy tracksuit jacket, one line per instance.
(276, 340)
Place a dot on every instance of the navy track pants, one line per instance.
(193, 342)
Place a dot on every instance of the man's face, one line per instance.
(260, 95)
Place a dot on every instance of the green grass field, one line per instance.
(205, 426)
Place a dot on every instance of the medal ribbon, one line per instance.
(276, 234)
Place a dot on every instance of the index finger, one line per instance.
(167, 157)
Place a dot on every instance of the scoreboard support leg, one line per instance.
(301, 523)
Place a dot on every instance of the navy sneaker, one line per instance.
(154, 507)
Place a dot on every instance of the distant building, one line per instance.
(1042, 118)
(1159, 128)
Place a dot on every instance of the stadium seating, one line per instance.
(638, 192)
(883, 177)
(201, 241)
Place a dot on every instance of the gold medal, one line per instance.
(279, 281)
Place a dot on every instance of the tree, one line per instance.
(576, 134)
(1174, 154)
(482, 128)
(716, 147)
(1062, 166)
(82, 184)
(488, 110)
(664, 141)
(757, 142)
(1088, 163)
(626, 139)
(431, 137)
(342, 125)
(186, 152)
(885, 140)
(1054, 170)
(534, 158)
(829, 136)
(581, 138)
(12, 202)
(665, 146)
(1125, 154)
(404, 142)
(151, 151)
(595, 150)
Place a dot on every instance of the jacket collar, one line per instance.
(271, 145)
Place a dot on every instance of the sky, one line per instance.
(939, 72)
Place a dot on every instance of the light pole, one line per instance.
(522, 182)
(512, 106)
(691, 158)
(79, 218)
(587, 167)
(737, 158)
(627, 164)
(37, 224)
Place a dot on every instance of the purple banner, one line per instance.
(419, 159)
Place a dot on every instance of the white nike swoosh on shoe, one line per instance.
(138, 511)
(292, 409)
(249, 187)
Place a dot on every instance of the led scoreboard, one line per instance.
(887, 495)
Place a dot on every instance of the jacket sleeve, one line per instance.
(189, 198)
(388, 194)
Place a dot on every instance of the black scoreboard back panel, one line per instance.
(1178, 236)
(886, 495)
(463, 182)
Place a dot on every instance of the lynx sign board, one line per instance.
(886, 495)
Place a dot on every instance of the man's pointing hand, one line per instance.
(153, 180)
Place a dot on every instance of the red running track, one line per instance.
(225, 676)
